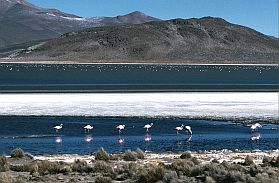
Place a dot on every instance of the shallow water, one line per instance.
(37, 136)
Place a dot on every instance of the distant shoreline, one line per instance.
(136, 91)
(6, 61)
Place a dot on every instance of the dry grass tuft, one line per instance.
(102, 155)
(4, 166)
(17, 153)
(129, 156)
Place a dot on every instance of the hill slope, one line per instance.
(24, 22)
(204, 40)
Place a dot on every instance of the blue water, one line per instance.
(16, 131)
(136, 77)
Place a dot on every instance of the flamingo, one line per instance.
(87, 128)
(188, 128)
(147, 126)
(256, 126)
(120, 127)
(58, 127)
(179, 128)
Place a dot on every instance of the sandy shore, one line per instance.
(167, 158)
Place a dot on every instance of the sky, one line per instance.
(261, 15)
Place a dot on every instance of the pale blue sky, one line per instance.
(261, 15)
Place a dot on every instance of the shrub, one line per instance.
(170, 177)
(153, 175)
(104, 168)
(100, 179)
(248, 161)
(186, 155)
(216, 171)
(234, 176)
(225, 164)
(139, 153)
(102, 155)
(254, 170)
(28, 155)
(81, 166)
(115, 157)
(236, 167)
(277, 162)
(195, 160)
(139, 171)
(47, 167)
(215, 161)
(4, 166)
(126, 171)
(129, 156)
(250, 179)
(32, 167)
(17, 153)
(266, 161)
(209, 179)
(195, 171)
(182, 167)
(5, 178)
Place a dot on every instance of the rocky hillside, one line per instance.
(24, 22)
(204, 40)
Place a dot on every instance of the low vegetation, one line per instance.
(102, 155)
(139, 153)
(101, 179)
(3, 164)
(81, 166)
(17, 153)
(129, 156)
(184, 169)
(186, 155)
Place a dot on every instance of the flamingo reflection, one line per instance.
(255, 136)
(147, 138)
(58, 140)
(120, 140)
(88, 138)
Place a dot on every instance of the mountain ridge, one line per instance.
(23, 22)
(201, 40)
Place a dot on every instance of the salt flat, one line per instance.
(260, 105)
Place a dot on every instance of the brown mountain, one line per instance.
(203, 40)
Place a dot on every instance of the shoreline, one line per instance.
(205, 157)
(5, 61)
(242, 121)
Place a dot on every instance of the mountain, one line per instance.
(198, 40)
(24, 22)
(273, 37)
(131, 18)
